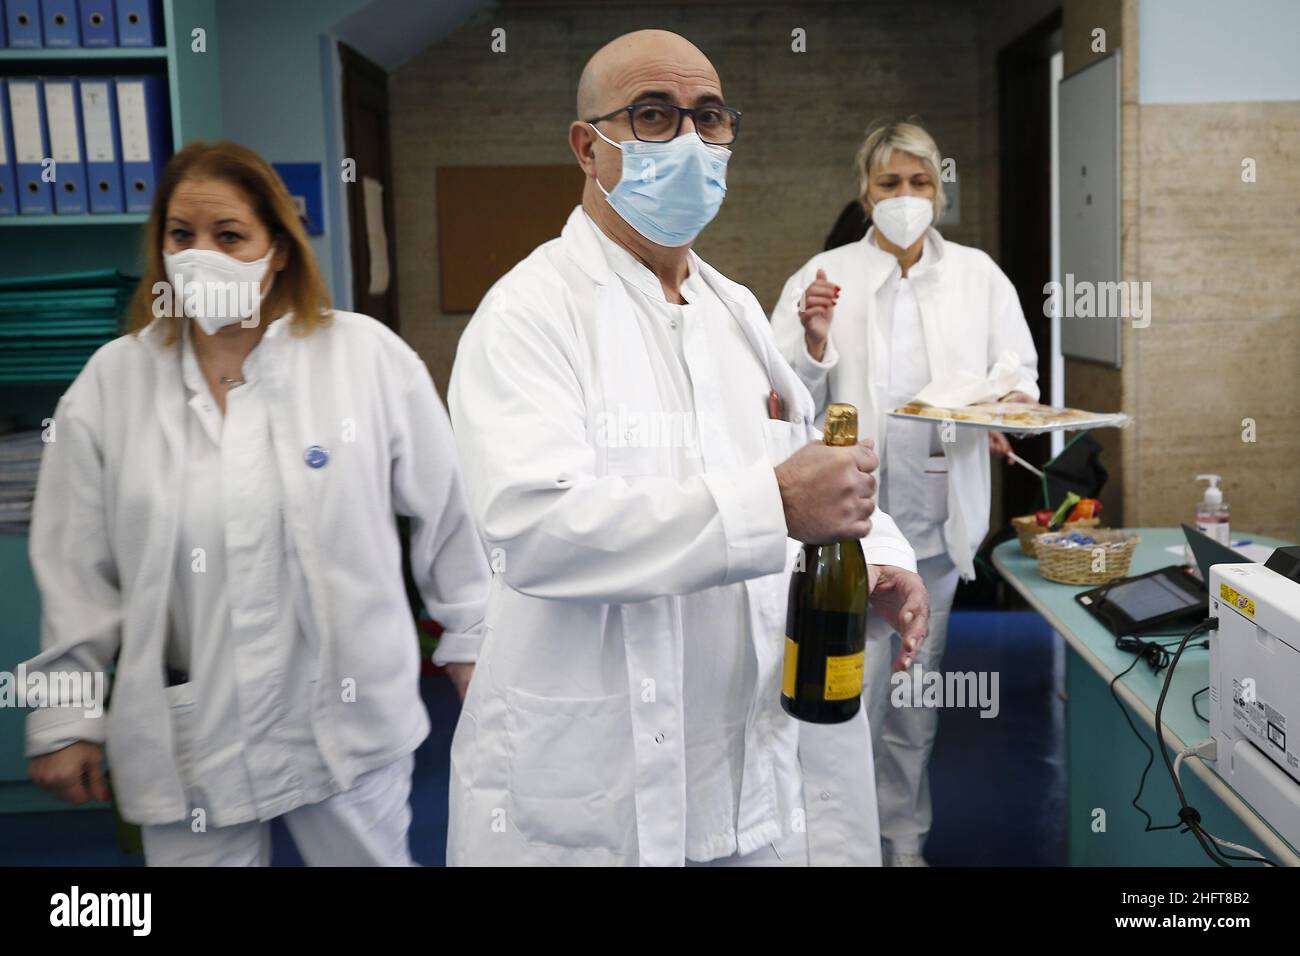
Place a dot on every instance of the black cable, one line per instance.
(1194, 707)
(1151, 757)
(1187, 813)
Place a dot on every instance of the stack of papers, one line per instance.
(20, 459)
(50, 325)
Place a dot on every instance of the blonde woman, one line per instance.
(872, 323)
(215, 524)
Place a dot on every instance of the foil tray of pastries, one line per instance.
(1020, 418)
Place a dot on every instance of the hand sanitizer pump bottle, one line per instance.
(1212, 512)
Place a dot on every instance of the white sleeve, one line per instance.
(448, 561)
(788, 331)
(1008, 332)
(886, 544)
(81, 600)
(566, 533)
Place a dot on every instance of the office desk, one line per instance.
(1104, 758)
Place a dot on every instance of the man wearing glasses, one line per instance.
(642, 464)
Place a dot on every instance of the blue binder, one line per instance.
(67, 149)
(59, 18)
(98, 25)
(27, 118)
(144, 128)
(139, 23)
(103, 145)
(23, 18)
(8, 183)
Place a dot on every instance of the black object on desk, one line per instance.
(1152, 601)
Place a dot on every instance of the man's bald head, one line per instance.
(645, 62)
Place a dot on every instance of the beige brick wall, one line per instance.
(458, 103)
(1223, 260)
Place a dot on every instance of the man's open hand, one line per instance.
(900, 597)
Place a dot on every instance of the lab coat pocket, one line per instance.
(571, 770)
(213, 774)
(934, 483)
(783, 439)
(180, 710)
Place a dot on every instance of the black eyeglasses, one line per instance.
(661, 122)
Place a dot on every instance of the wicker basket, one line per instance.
(1028, 528)
(1074, 565)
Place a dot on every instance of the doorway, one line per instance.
(1025, 198)
(370, 197)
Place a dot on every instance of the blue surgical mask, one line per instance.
(669, 191)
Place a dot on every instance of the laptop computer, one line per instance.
(1209, 552)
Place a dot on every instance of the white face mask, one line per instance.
(903, 219)
(669, 191)
(217, 290)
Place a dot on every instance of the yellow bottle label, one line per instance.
(788, 672)
(844, 676)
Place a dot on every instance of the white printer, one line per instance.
(1255, 685)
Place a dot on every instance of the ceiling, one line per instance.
(390, 32)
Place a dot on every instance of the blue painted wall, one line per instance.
(279, 97)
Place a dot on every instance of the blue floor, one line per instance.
(998, 784)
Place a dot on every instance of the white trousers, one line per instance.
(903, 737)
(365, 826)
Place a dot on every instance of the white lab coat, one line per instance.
(970, 314)
(104, 532)
(569, 747)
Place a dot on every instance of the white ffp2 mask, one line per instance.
(214, 289)
(902, 219)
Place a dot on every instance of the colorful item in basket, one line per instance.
(1077, 539)
(1058, 517)
(1085, 509)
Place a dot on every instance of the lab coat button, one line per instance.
(825, 795)
(316, 457)
(659, 737)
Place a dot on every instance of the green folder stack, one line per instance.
(20, 460)
(51, 325)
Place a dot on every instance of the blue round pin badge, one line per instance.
(316, 457)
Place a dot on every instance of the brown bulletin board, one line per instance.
(491, 217)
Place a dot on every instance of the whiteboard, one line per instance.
(1089, 190)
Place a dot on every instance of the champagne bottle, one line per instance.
(826, 617)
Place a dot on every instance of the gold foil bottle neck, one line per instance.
(841, 425)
